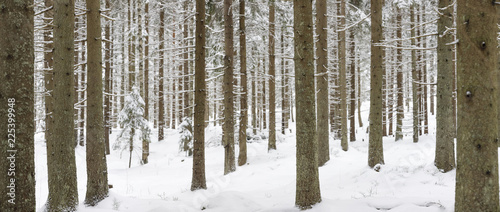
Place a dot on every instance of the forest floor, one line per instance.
(407, 182)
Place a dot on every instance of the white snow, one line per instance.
(407, 182)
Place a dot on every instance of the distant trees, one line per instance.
(477, 136)
(17, 56)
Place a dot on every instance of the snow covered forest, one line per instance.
(249, 105)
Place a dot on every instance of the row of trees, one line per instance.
(155, 53)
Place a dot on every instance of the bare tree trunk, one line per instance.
(307, 182)
(322, 83)
(352, 105)
(145, 143)
(161, 119)
(375, 148)
(228, 128)
(200, 98)
(343, 78)
(399, 76)
(477, 135)
(16, 111)
(272, 82)
(242, 157)
(61, 167)
(97, 170)
(107, 82)
(414, 74)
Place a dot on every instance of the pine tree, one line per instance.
(16, 110)
(477, 136)
(445, 147)
(307, 182)
(375, 148)
(132, 118)
(97, 171)
(228, 127)
(242, 157)
(322, 82)
(342, 78)
(272, 71)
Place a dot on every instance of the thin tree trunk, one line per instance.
(161, 119)
(145, 143)
(322, 83)
(272, 82)
(228, 128)
(352, 105)
(399, 76)
(107, 82)
(414, 73)
(343, 78)
(198, 178)
(242, 157)
(375, 148)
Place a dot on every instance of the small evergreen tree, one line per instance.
(132, 118)
(186, 141)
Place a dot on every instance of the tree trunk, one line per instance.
(272, 82)
(49, 71)
(145, 143)
(375, 148)
(107, 82)
(242, 157)
(322, 83)
(352, 105)
(200, 98)
(97, 171)
(187, 112)
(477, 137)
(399, 76)
(16, 111)
(445, 147)
(307, 182)
(61, 165)
(161, 119)
(414, 74)
(228, 127)
(343, 78)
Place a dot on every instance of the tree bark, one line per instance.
(17, 103)
(61, 165)
(307, 182)
(352, 105)
(272, 82)
(342, 78)
(375, 147)
(242, 157)
(97, 171)
(399, 76)
(322, 83)
(445, 146)
(414, 74)
(107, 82)
(200, 98)
(228, 127)
(477, 136)
(161, 119)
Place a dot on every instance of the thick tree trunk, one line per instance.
(200, 98)
(228, 127)
(477, 138)
(322, 83)
(445, 147)
(61, 165)
(307, 184)
(375, 148)
(97, 171)
(16, 110)
(242, 157)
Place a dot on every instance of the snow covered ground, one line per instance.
(407, 182)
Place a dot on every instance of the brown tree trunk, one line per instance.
(375, 148)
(228, 127)
(107, 82)
(352, 105)
(307, 181)
(161, 119)
(16, 111)
(477, 136)
(414, 74)
(399, 76)
(272, 82)
(97, 171)
(342, 78)
(242, 157)
(322, 83)
(200, 98)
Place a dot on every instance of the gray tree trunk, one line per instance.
(228, 127)
(272, 73)
(445, 146)
(477, 137)
(61, 165)
(242, 157)
(399, 76)
(342, 78)
(375, 148)
(17, 108)
(307, 184)
(414, 75)
(97, 171)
